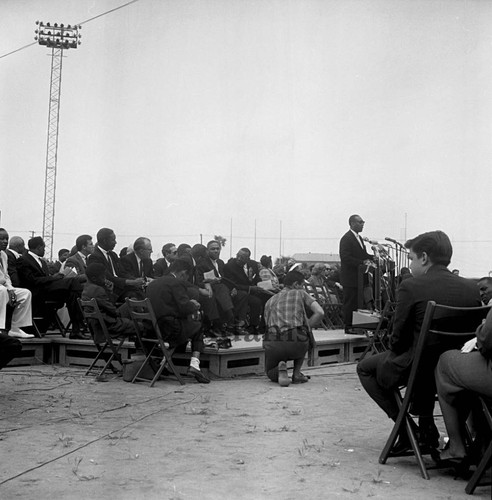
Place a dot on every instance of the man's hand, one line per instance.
(12, 298)
(196, 303)
(470, 346)
(233, 292)
(137, 283)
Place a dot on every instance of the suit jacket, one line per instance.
(160, 267)
(205, 265)
(98, 257)
(169, 297)
(13, 268)
(438, 284)
(76, 262)
(234, 272)
(130, 268)
(352, 255)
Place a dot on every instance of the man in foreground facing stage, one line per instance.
(430, 254)
(175, 313)
(289, 330)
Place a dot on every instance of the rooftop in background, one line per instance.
(313, 258)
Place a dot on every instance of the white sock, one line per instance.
(195, 363)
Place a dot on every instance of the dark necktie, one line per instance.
(142, 274)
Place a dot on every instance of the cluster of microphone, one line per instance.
(375, 242)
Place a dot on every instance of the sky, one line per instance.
(183, 119)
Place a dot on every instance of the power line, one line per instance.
(83, 22)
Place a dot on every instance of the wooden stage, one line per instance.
(245, 357)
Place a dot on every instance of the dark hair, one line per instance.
(487, 279)
(95, 270)
(211, 242)
(62, 251)
(435, 244)
(247, 250)
(140, 243)
(199, 250)
(182, 249)
(167, 248)
(123, 251)
(82, 241)
(180, 265)
(103, 234)
(265, 260)
(352, 218)
(35, 242)
(293, 277)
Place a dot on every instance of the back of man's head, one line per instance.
(435, 244)
(95, 272)
(180, 265)
(198, 251)
(17, 243)
(184, 249)
(293, 277)
(35, 242)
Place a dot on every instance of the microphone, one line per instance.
(393, 241)
(372, 242)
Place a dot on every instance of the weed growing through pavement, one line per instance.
(307, 447)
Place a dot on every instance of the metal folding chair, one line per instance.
(486, 460)
(142, 313)
(439, 322)
(94, 318)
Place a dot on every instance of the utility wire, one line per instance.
(83, 22)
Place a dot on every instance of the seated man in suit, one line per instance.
(78, 261)
(430, 254)
(103, 254)
(138, 264)
(221, 312)
(242, 274)
(170, 253)
(35, 276)
(289, 333)
(14, 252)
(177, 314)
(15, 303)
(59, 265)
(117, 320)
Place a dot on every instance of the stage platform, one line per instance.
(245, 357)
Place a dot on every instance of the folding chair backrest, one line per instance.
(311, 290)
(141, 312)
(94, 318)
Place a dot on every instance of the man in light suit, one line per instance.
(15, 303)
(78, 261)
(352, 255)
(430, 254)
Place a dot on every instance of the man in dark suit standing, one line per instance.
(103, 254)
(430, 254)
(34, 275)
(352, 255)
(176, 313)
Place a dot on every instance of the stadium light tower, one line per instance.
(58, 37)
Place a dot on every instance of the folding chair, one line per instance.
(50, 317)
(91, 311)
(439, 321)
(141, 313)
(486, 460)
(333, 307)
(312, 290)
(379, 340)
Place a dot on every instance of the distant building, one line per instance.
(313, 258)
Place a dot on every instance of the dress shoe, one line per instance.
(17, 333)
(199, 376)
(350, 331)
(401, 448)
(283, 377)
(77, 336)
(300, 379)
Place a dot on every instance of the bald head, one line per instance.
(17, 244)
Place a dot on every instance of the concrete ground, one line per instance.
(63, 435)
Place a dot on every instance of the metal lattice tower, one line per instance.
(58, 38)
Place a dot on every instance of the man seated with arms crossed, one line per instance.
(175, 310)
(78, 261)
(34, 275)
(117, 320)
(103, 254)
(289, 333)
(15, 303)
(430, 254)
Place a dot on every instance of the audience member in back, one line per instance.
(317, 277)
(15, 250)
(176, 313)
(34, 275)
(117, 320)
(289, 333)
(430, 254)
(104, 254)
(15, 303)
(59, 265)
(267, 273)
(170, 253)
(78, 260)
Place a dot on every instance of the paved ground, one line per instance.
(66, 436)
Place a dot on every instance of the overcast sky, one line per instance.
(180, 116)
